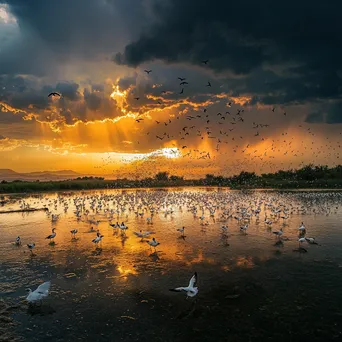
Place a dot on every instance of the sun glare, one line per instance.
(5, 15)
(167, 152)
(116, 92)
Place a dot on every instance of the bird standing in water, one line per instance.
(52, 236)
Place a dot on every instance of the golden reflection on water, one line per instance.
(245, 262)
(124, 256)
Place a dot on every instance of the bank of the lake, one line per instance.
(31, 187)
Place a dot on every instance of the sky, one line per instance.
(263, 86)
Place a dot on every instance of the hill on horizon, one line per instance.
(10, 175)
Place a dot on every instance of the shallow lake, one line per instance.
(253, 285)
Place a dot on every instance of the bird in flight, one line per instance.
(205, 62)
(54, 94)
(184, 82)
(191, 290)
(40, 293)
(148, 71)
(138, 120)
(182, 79)
(137, 98)
(182, 91)
(209, 84)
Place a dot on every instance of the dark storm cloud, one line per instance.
(315, 117)
(8, 118)
(69, 90)
(30, 98)
(93, 100)
(331, 114)
(50, 33)
(126, 82)
(299, 41)
(334, 114)
(22, 92)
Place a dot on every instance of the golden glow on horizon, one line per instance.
(167, 152)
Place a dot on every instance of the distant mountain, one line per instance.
(7, 172)
(56, 173)
(10, 175)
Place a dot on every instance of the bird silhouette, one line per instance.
(54, 94)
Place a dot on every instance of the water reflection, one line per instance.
(124, 277)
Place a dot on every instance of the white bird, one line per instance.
(311, 240)
(73, 233)
(181, 230)
(114, 226)
(123, 228)
(301, 240)
(279, 233)
(18, 241)
(51, 236)
(191, 290)
(142, 234)
(153, 243)
(97, 239)
(302, 228)
(31, 246)
(224, 229)
(40, 293)
(244, 228)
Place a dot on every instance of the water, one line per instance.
(250, 286)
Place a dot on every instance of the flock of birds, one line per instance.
(228, 132)
(206, 209)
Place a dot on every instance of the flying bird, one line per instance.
(54, 94)
(209, 84)
(148, 71)
(191, 290)
(184, 82)
(39, 294)
(205, 62)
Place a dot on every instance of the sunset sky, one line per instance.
(265, 58)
